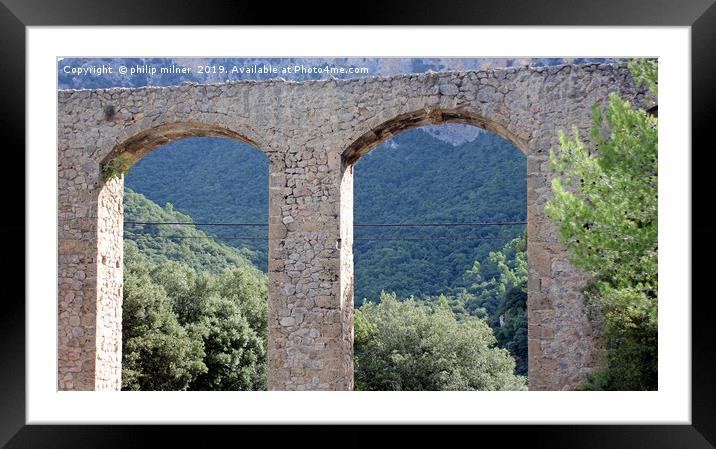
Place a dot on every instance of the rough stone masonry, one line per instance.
(312, 133)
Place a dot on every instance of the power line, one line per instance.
(357, 225)
(196, 237)
(183, 223)
(180, 237)
(433, 238)
(412, 225)
(368, 225)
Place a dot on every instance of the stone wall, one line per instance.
(313, 132)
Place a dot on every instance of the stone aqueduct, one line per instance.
(312, 133)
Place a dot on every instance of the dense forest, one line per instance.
(185, 244)
(212, 180)
(416, 178)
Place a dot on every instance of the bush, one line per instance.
(401, 345)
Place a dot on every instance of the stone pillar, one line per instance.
(561, 345)
(347, 278)
(110, 272)
(89, 274)
(77, 278)
(310, 296)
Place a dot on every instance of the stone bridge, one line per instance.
(313, 133)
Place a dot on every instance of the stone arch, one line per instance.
(422, 117)
(91, 337)
(144, 142)
(548, 369)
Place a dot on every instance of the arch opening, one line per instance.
(418, 177)
(212, 270)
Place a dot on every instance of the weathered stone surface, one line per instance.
(313, 132)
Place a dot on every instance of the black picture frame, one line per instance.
(16, 15)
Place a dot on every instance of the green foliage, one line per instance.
(185, 244)
(188, 328)
(605, 201)
(502, 299)
(213, 180)
(645, 72)
(402, 345)
(506, 269)
(510, 326)
(417, 178)
(158, 353)
(228, 313)
(117, 167)
(630, 361)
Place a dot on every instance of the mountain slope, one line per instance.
(184, 244)
(416, 178)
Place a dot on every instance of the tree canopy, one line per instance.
(403, 345)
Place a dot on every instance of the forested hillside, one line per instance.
(413, 178)
(416, 178)
(213, 180)
(185, 244)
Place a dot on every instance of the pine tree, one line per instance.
(605, 201)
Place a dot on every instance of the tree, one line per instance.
(510, 326)
(158, 353)
(188, 330)
(228, 313)
(235, 352)
(401, 345)
(233, 326)
(504, 298)
(605, 201)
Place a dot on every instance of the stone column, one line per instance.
(110, 280)
(561, 345)
(89, 273)
(310, 290)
